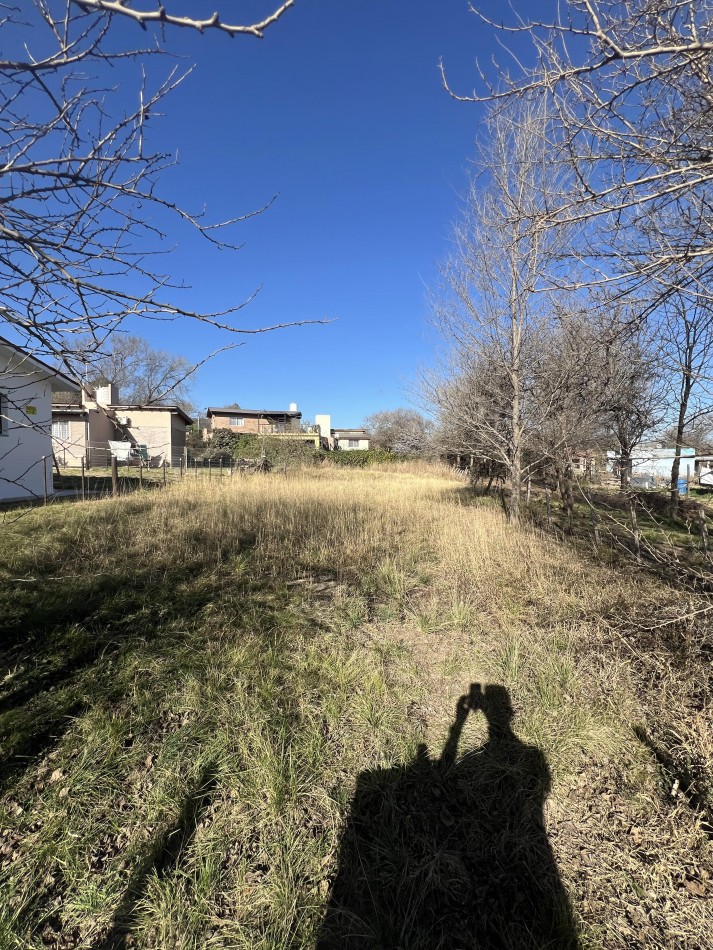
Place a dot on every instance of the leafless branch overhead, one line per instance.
(158, 14)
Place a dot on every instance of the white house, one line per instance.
(26, 387)
(651, 463)
(340, 438)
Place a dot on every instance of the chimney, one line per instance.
(107, 395)
(324, 424)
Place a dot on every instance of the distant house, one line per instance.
(27, 385)
(340, 439)
(651, 463)
(350, 439)
(256, 421)
(84, 429)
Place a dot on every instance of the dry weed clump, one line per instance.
(213, 693)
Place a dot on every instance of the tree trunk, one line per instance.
(563, 473)
(686, 386)
(624, 469)
(515, 492)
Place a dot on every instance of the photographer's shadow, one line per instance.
(447, 854)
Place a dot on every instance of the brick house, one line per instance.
(256, 421)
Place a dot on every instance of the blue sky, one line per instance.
(340, 112)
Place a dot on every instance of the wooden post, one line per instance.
(181, 466)
(527, 491)
(547, 507)
(231, 465)
(210, 470)
(164, 472)
(83, 488)
(635, 530)
(688, 480)
(221, 466)
(44, 478)
(141, 473)
(114, 476)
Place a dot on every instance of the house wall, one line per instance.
(252, 425)
(178, 439)
(342, 443)
(25, 437)
(98, 426)
(163, 432)
(70, 451)
(102, 430)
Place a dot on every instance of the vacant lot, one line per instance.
(244, 714)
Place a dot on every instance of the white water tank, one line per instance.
(293, 407)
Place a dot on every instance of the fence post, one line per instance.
(44, 478)
(164, 472)
(181, 466)
(688, 480)
(527, 490)
(221, 466)
(141, 473)
(114, 476)
(547, 507)
(83, 493)
(210, 470)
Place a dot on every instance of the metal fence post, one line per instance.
(114, 476)
(44, 478)
(83, 492)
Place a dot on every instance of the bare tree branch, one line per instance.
(160, 15)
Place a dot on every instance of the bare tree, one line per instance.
(685, 335)
(630, 84)
(144, 375)
(402, 431)
(82, 211)
(565, 407)
(490, 310)
(631, 399)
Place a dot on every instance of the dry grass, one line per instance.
(203, 684)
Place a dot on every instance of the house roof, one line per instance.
(228, 411)
(177, 409)
(350, 434)
(66, 409)
(41, 365)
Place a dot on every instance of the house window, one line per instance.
(235, 421)
(60, 430)
(353, 443)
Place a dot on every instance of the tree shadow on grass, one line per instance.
(440, 854)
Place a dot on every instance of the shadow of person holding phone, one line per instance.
(452, 854)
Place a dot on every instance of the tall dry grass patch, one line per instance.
(197, 679)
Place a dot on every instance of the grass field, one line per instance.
(341, 708)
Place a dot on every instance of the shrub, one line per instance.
(359, 458)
